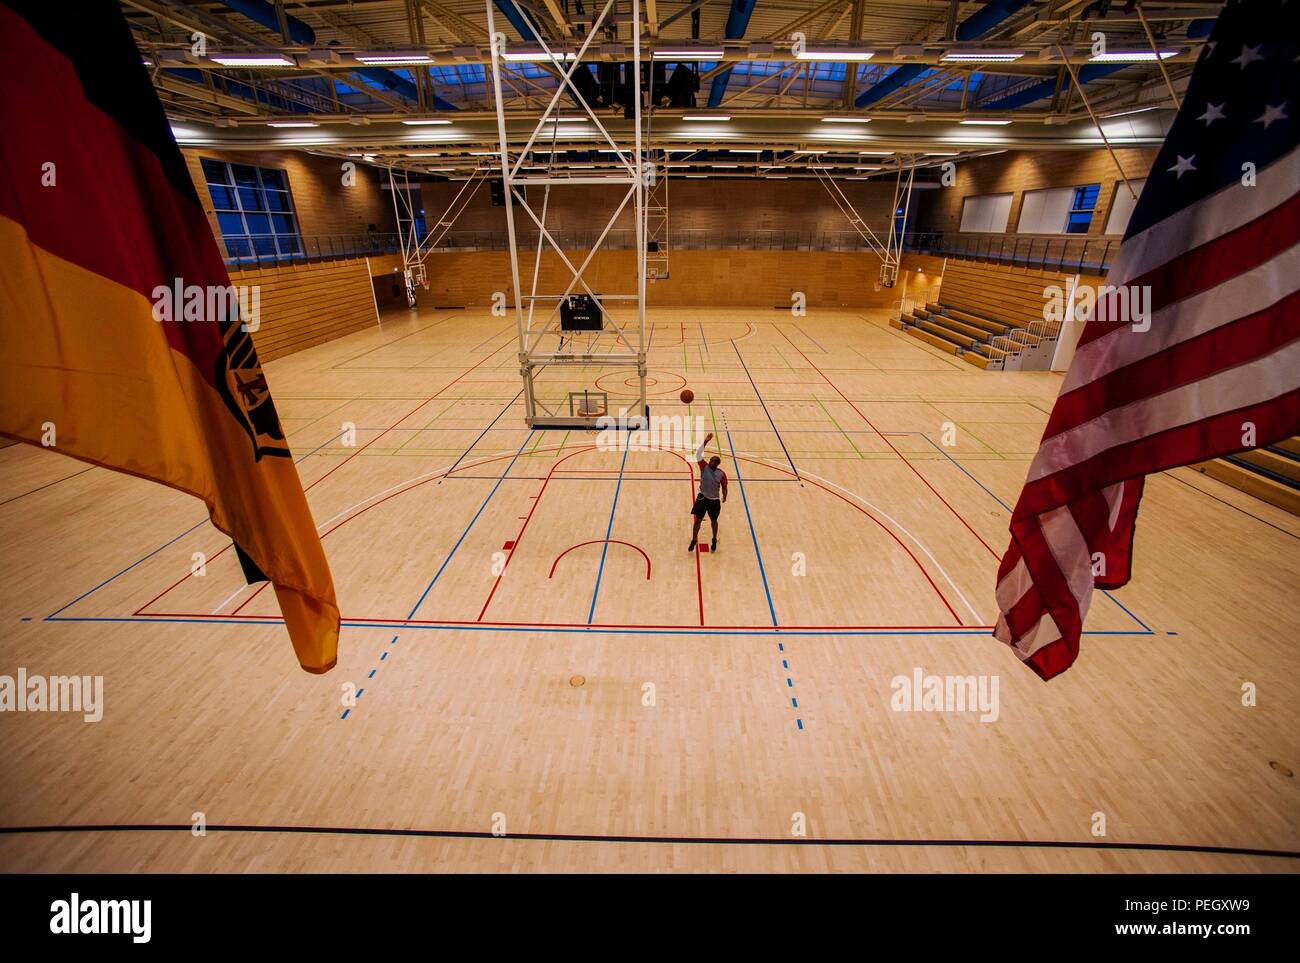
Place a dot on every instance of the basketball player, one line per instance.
(713, 492)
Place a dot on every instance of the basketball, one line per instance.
(687, 396)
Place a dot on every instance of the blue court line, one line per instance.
(759, 396)
(752, 534)
(1147, 628)
(609, 530)
(579, 629)
(964, 471)
(810, 338)
(465, 454)
(124, 571)
(441, 568)
(145, 558)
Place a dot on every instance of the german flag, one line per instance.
(98, 216)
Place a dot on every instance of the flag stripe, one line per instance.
(1259, 380)
(1273, 418)
(1247, 293)
(1227, 209)
(1209, 265)
(1232, 342)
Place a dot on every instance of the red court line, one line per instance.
(904, 460)
(764, 628)
(601, 541)
(537, 498)
(883, 526)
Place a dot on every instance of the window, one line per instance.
(1059, 210)
(253, 210)
(1085, 202)
(986, 213)
(1121, 206)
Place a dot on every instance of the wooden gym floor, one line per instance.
(770, 689)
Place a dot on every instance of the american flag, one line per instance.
(1213, 238)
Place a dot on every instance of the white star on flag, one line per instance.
(1248, 54)
(1212, 113)
(1271, 114)
(1184, 165)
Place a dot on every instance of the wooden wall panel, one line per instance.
(1016, 172)
(308, 304)
(721, 278)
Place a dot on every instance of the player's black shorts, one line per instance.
(706, 506)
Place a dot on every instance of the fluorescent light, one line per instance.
(940, 153)
(725, 167)
(875, 153)
(697, 175)
(396, 60)
(706, 117)
(423, 153)
(776, 177)
(687, 53)
(986, 123)
(270, 60)
(743, 150)
(983, 56)
(424, 123)
(441, 170)
(773, 167)
(832, 53)
(538, 56)
(846, 120)
(868, 168)
(1125, 113)
(1130, 56)
(291, 123)
(566, 120)
(482, 153)
(798, 152)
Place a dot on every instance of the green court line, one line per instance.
(841, 429)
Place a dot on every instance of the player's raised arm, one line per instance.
(699, 452)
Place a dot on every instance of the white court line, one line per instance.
(230, 598)
(893, 521)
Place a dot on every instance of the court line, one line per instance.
(596, 628)
(1104, 592)
(443, 566)
(609, 530)
(48, 485)
(759, 396)
(752, 534)
(864, 842)
(166, 544)
(900, 455)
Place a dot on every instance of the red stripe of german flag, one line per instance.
(180, 402)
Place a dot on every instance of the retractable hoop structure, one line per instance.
(537, 313)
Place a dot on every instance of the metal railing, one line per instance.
(1068, 255)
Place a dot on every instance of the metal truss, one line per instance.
(888, 250)
(537, 312)
(416, 248)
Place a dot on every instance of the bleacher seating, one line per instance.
(987, 314)
(1271, 474)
